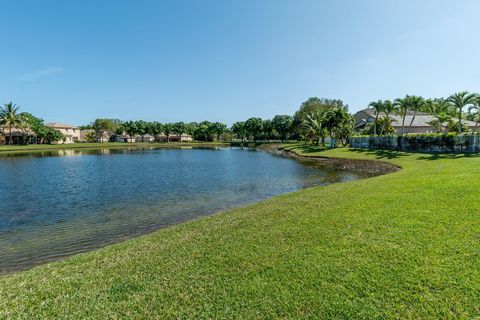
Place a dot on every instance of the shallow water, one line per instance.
(58, 203)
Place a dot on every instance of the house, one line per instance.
(71, 133)
(144, 138)
(420, 124)
(176, 137)
(19, 136)
(84, 134)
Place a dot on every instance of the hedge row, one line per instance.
(429, 142)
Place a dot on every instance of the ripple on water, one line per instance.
(58, 203)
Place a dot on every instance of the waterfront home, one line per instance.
(71, 134)
(145, 138)
(176, 137)
(84, 134)
(420, 124)
(127, 138)
(19, 136)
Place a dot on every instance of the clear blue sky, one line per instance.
(74, 61)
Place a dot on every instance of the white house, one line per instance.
(71, 133)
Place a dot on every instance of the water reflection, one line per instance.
(57, 203)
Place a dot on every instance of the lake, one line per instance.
(57, 203)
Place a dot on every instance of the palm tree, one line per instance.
(476, 113)
(416, 104)
(388, 108)
(377, 106)
(314, 125)
(10, 118)
(336, 120)
(402, 105)
(461, 100)
(439, 120)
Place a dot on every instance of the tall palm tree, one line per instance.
(10, 118)
(377, 106)
(388, 108)
(416, 104)
(402, 105)
(459, 101)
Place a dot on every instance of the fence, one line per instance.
(420, 142)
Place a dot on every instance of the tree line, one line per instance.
(315, 120)
(111, 128)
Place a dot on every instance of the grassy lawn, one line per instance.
(38, 147)
(402, 245)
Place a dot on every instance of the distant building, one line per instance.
(19, 136)
(71, 133)
(176, 138)
(144, 138)
(421, 123)
(85, 133)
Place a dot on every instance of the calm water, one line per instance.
(54, 204)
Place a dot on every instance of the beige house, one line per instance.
(71, 133)
(19, 136)
(176, 138)
(420, 123)
(85, 133)
(145, 138)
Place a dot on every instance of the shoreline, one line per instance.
(367, 166)
(365, 247)
(5, 149)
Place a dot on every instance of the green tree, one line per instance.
(440, 120)
(314, 126)
(36, 125)
(438, 106)
(459, 101)
(402, 106)
(204, 131)
(155, 128)
(474, 111)
(335, 121)
(218, 128)
(179, 128)
(104, 128)
(283, 125)
(130, 128)
(91, 137)
(142, 128)
(378, 107)
(53, 135)
(168, 129)
(416, 104)
(267, 126)
(238, 128)
(386, 122)
(190, 129)
(313, 106)
(10, 118)
(254, 127)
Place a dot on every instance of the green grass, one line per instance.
(39, 147)
(402, 245)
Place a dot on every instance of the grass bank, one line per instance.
(402, 245)
(48, 147)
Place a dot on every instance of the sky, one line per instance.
(216, 60)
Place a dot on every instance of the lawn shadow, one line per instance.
(381, 154)
(391, 154)
(452, 156)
